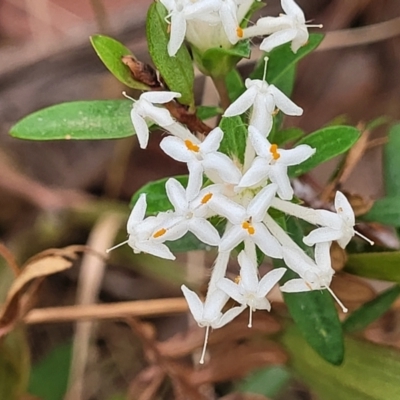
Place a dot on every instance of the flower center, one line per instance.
(274, 151)
(159, 233)
(248, 227)
(191, 146)
(206, 198)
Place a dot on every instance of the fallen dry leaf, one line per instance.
(338, 257)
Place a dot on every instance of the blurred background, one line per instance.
(53, 193)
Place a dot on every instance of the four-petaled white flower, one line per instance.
(272, 163)
(190, 214)
(202, 156)
(145, 235)
(246, 222)
(249, 291)
(263, 98)
(314, 275)
(210, 314)
(143, 109)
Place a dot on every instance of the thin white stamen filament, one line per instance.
(203, 353)
(250, 318)
(128, 97)
(344, 309)
(371, 242)
(116, 246)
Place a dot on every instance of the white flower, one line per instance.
(190, 214)
(246, 222)
(202, 156)
(144, 109)
(145, 235)
(180, 11)
(249, 291)
(210, 314)
(313, 275)
(263, 98)
(272, 163)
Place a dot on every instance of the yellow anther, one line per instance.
(206, 198)
(239, 32)
(274, 151)
(238, 279)
(248, 227)
(191, 146)
(169, 28)
(159, 233)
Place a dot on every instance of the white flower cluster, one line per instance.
(216, 23)
(240, 194)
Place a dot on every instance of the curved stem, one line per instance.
(222, 90)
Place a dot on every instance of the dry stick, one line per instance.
(90, 278)
(140, 308)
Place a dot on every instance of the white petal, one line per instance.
(212, 141)
(256, 174)
(300, 40)
(228, 317)
(261, 202)
(266, 242)
(141, 129)
(195, 180)
(260, 118)
(223, 165)
(231, 289)
(344, 208)
(278, 38)
(177, 149)
(232, 237)
(269, 280)
(278, 174)
(176, 195)
(248, 273)
(260, 143)
(156, 249)
(159, 115)
(234, 212)
(194, 303)
(229, 21)
(138, 212)
(213, 305)
(297, 261)
(284, 103)
(178, 30)
(322, 255)
(294, 286)
(263, 304)
(168, 4)
(204, 231)
(242, 103)
(177, 230)
(322, 235)
(297, 155)
(291, 8)
(159, 97)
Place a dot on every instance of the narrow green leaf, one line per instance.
(102, 119)
(177, 71)
(384, 266)
(235, 136)
(234, 85)
(371, 310)
(314, 312)
(156, 195)
(110, 51)
(287, 135)
(391, 164)
(49, 378)
(205, 112)
(329, 142)
(369, 372)
(14, 365)
(386, 211)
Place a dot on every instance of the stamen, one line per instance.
(206, 198)
(116, 246)
(191, 146)
(128, 97)
(250, 325)
(248, 227)
(315, 26)
(265, 68)
(274, 151)
(169, 28)
(239, 32)
(237, 279)
(203, 353)
(371, 242)
(344, 309)
(159, 233)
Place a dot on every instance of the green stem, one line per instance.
(220, 85)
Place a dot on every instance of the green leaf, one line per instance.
(268, 381)
(110, 51)
(287, 135)
(49, 378)
(386, 211)
(102, 119)
(206, 112)
(314, 312)
(371, 310)
(391, 163)
(218, 62)
(177, 71)
(384, 266)
(14, 365)
(282, 62)
(235, 136)
(329, 142)
(234, 85)
(369, 372)
(156, 195)
(256, 5)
